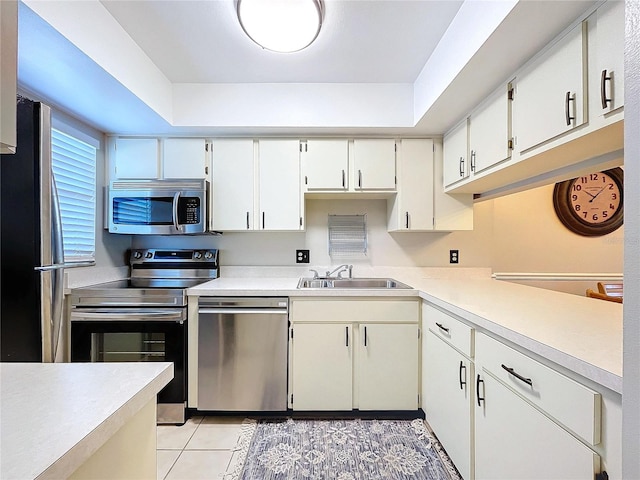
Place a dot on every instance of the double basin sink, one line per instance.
(359, 283)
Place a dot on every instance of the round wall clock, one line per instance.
(592, 204)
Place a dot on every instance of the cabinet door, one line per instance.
(8, 76)
(232, 185)
(489, 132)
(549, 98)
(374, 164)
(279, 184)
(388, 367)
(514, 440)
(325, 164)
(184, 158)
(414, 203)
(447, 391)
(610, 57)
(456, 166)
(322, 366)
(136, 158)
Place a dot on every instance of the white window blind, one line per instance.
(74, 169)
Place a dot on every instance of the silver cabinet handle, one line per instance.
(568, 99)
(406, 215)
(603, 88)
(344, 183)
(461, 166)
(473, 160)
(359, 178)
(247, 220)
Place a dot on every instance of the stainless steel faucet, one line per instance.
(340, 269)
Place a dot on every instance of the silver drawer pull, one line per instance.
(511, 371)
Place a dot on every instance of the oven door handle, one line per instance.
(246, 311)
(108, 315)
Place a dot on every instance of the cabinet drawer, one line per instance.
(571, 404)
(355, 311)
(449, 329)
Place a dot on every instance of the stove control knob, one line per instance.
(208, 255)
(137, 254)
(148, 255)
(197, 255)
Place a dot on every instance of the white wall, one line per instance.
(385, 249)
(517, 233)
(631, 348)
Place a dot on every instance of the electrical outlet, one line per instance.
(454, 256)
(302, 256)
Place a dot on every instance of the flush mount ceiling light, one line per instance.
(281, 25)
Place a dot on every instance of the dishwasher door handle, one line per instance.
(246, 311)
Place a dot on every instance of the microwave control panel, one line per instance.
(189, 211)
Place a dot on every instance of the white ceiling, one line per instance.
(361, 41)
(185, 67)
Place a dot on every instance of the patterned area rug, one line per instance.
(341, 450)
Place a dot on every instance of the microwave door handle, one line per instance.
(176, 199)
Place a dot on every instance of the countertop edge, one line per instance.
(81, 451)
(571, 363)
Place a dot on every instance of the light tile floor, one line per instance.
(202, 448)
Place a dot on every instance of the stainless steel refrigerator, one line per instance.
(32, 258)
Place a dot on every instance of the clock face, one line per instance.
(591, 204)
(595, 197)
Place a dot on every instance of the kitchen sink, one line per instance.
(360, 283)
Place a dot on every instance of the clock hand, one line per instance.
(594, 196)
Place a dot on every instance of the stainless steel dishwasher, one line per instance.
(242, 353)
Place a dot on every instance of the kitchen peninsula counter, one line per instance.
(57, 418)
(580, 334)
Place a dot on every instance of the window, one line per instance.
(74, 169)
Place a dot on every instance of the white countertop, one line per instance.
(581, 334)
(54, 416)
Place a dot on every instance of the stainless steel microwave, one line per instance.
(157, 207)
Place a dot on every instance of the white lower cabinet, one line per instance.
(501, 414)
(354, 354)
(388, 363)
(323, 370)
(447, 392)
(513, 440)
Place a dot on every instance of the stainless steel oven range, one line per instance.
(144, 318)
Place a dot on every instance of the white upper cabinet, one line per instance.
(279, 185)
(325, 164)
(490, 132)
(374, 164)
(456, 165)
(232, 193)
(8, 75)
(549, 94)
(185, 158)
(136, 158)
(412, 209)
(608, 84)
